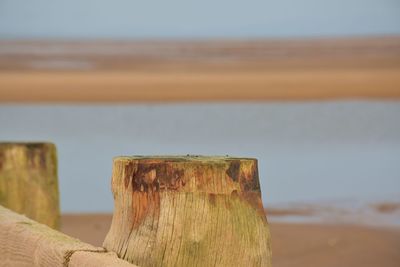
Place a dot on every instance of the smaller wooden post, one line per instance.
(188, 211)
(28, 181)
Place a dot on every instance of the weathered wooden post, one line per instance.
(188, 211)
(28, 181)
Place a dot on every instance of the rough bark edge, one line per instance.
(24, 242)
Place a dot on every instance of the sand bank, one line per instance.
(297, 245)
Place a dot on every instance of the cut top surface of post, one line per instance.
(183, 158)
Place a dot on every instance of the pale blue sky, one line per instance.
(196, 19)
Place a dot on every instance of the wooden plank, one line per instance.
(24, 242)
(94, 259)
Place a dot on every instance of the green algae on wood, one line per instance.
(188, 211)
(28, 181)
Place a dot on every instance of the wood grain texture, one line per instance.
(188, 211)
(26, 243)
(95, 259)
(28, 181)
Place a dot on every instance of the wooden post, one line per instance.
(188, 211)
(28, 181)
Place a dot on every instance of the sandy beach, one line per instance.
(300, 245)
(169, 71)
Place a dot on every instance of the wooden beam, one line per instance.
(26, 243)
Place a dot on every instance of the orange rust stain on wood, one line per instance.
(250, 182)
(145, 192)
(2, 159)
(212, 198)
(145, 204)
(148, 179)
(234, 170)
(254, 200)
(157, 176)
(128, 174)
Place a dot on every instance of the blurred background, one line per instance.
(310, 88)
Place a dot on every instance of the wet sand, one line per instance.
(297, 245)
(168, 71)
